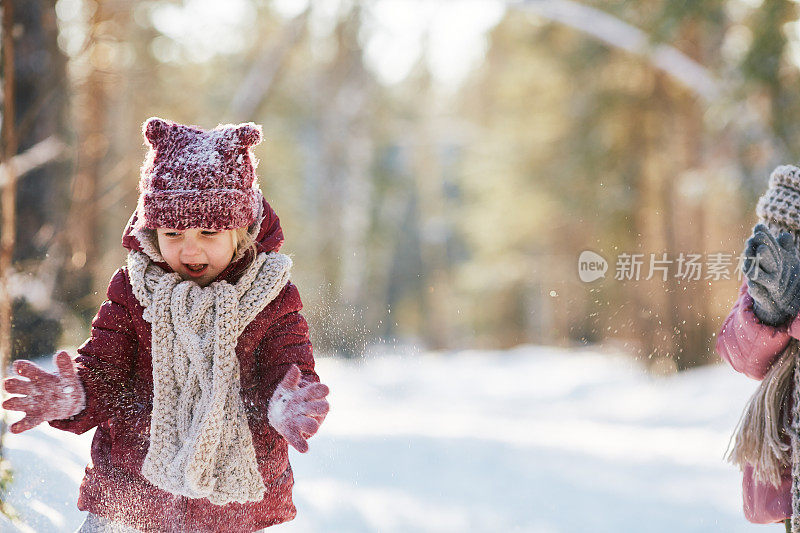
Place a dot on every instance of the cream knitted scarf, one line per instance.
(200, 441)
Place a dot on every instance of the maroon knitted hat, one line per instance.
(192, 178)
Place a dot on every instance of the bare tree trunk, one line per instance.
(8, 229)
(696, 326)
(339, 194)
(637, 301)
(672, 344)
(92, 147)
(433, 227)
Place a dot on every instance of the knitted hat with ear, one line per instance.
(193, 178)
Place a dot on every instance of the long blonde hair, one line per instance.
(761, 436)
(245, 241)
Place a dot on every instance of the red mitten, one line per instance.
(46, 396)
(297, 408)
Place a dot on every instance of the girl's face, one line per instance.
(197, 254)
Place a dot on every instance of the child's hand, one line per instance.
(297, 408)
(46, 396)
(773, 280)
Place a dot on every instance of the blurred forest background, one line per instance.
(438, 167)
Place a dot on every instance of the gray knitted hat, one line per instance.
(779, 206)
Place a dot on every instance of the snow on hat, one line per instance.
(193, 178)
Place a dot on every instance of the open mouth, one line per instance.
(196, 269)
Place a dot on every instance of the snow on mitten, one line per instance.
(773, 275)
(46, 396)
(297, 408)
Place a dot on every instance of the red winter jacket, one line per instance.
(750, 346)
(115, 367)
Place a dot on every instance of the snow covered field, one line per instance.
(535, 439)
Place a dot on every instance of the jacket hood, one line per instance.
(266, 231)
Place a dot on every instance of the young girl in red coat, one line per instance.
(760, 339)
(199, 369)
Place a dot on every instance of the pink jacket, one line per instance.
(750, 346)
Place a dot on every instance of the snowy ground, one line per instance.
(535, 439)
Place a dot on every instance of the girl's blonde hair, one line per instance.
(244, 241)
